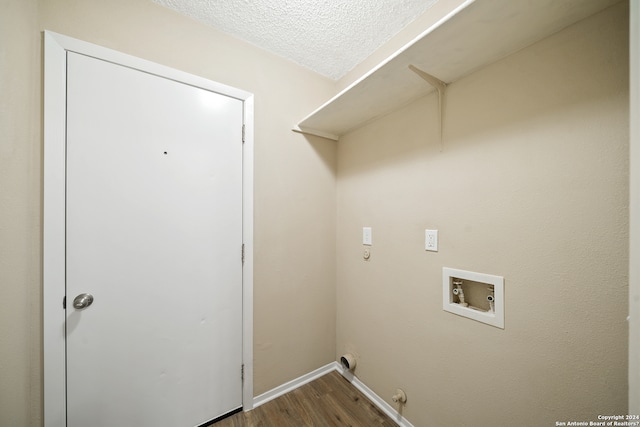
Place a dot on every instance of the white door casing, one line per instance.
(158, 168)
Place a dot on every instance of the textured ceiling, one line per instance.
(327, 36)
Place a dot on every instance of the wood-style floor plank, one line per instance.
(329, 401)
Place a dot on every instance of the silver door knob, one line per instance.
(82, 301)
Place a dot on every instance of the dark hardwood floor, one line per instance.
(327, 401)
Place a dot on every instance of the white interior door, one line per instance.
(154, 234)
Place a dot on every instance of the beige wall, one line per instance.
(294, 288)
(20, 172)
(532, 185)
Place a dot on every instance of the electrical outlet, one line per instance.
(431, 240)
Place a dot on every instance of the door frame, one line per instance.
(56, 47)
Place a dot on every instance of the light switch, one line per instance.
(431, 240)
(366, 236)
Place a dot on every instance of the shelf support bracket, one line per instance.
(440, 86)
(307, 131)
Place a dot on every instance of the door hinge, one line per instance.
(64, 302)
(242, 255)
(242, 372)
(243, 133)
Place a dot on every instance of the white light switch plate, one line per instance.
(366, 236)
(431, 240)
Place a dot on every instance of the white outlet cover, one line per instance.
(494, 319)
(431, 240)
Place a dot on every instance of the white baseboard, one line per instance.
(348, 375)
(292, 385)
(377, 400)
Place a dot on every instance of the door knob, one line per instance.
(82, 301)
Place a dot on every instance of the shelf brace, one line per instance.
(440, 86)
